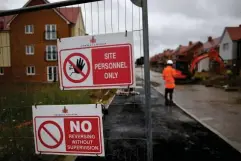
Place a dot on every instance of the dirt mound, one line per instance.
(222, 81)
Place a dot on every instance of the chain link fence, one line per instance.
(117, 149)
(16, 137)
(29, 70)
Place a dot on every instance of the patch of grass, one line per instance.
(29, 94)
(202, 76)
(17, 99)
(16, 102)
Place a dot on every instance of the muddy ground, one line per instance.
(176, 136)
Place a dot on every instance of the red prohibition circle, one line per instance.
(67, 60)
(58, 142)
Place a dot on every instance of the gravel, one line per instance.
(176, 136)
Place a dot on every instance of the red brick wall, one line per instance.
(18, 40)
(7, 74)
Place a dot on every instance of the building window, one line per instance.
(225, 46)
(29, 50)
(50, 32)
(51, 52)
(29, 29)
(52, 73)
(1, 71)
(30, 70)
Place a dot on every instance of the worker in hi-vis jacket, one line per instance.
(168, 75)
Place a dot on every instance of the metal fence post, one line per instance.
(147, 80)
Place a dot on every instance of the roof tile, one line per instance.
(5, 20)
(215, 42)
(234, 32)
(190, 47)
(70, 13)
(180, 50)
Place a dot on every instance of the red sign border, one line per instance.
(87, 63)
(96, 86)
(100, 134)
(60, 130)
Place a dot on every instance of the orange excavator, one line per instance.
(212, 54)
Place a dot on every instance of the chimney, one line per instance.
(240, 25)
(210, 39)
(190, 43)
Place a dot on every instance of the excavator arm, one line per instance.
(212, 54)
(196, 60)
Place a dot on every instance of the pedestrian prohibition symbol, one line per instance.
(96, 62)
(43, 128)
(76, 67)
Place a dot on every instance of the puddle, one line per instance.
(129, 129)
(155, 84)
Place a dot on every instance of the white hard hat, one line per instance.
(169, 62)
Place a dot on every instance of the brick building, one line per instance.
(33, 42)
(230, 47)
(5, 55)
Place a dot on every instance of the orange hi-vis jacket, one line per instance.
(168, 75)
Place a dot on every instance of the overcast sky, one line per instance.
(171, 22)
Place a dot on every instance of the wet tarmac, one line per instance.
(176, 136)
(213, 107)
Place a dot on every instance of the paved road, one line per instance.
(176, 135)
(215, 108)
